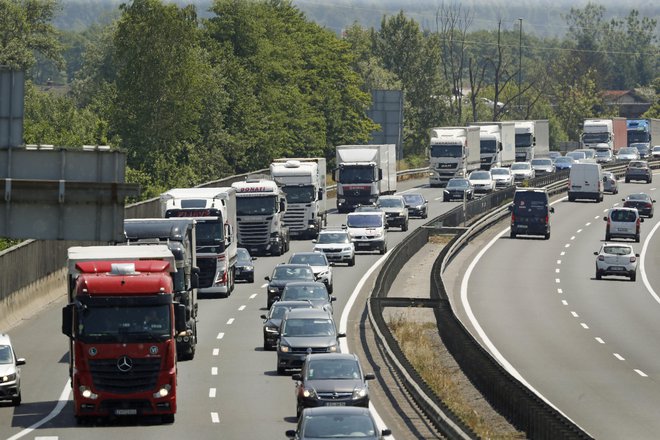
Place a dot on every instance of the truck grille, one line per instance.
(207, 270)
(141, 377)
(253, 233)
(294, 218)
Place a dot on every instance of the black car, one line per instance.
(457, 189)
(638, 170)
(530, 212)
(274, 317)
(283, 274)
(337, 422)
(332, 379)
(642, 201)
(244, 266)
(417, 205)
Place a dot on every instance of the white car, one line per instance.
(10, 374)
(337, 246)
(655, 152)
(502, 177)
(543, 166)
(617, 259)
(320, 266)
(522, 171)
(368, 230)
(628, 153)
(482, 181)
(604, 155)
(576, 155)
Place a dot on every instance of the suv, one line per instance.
(303, 332)
(417, 205)
(530, 212)
(10, 374)
(283, 274)
(367, 230)
(623, 223)
(319, 263)
(334, 379)
(336, 245)
(638, 170)
(396, 211)
(616, 259)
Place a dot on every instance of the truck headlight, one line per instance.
(164, 391)
(87, 393)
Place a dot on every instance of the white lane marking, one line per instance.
(560, 291)
(214, 371)
(573, 237)
(567, 245)
(438, 198)
(652, 189)
(47, 437)
(584, 326)
(597, 217)
(220, 335)
(587, 223)
(616, 204)
(562, 253)
(600, 340)
(605, 210)
(575, 315)
(557, 280)
(263, 286)
(61, 402)
(558, 261)
(641, 373)
(557, 270)
(241, 308)
(579, 230)
(642, 255)
(619, 357)
(216, 351)
(564, 302)
(343, 324)
(215, 418)
(230, 321)
(212, 392)
(253, 296)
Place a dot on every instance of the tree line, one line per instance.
(192, 98)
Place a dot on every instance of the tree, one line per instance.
(26, 31)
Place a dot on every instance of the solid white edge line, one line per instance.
(63, 399)
(642, 255)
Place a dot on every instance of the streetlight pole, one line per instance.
(520, 66)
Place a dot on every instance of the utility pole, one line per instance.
(520, 67)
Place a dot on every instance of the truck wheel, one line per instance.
(512, 234)
(167, 418)
(352, 261)
(627, 180)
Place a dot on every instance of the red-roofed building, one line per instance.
(629, 103)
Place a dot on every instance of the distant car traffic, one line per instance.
(319, 263)
(616, 259)
(522, 171)
(337, 422)
(244, 265)
(642, 148)
(543, 166)
(482, 181)
(623, 223)
(589, 153)
(417, 205)
(642, 202)
(638, 170)
(273, 319)
(553, 155)
(604, 155)
(458, 188)
(576, 155)
(10, 373)
(337, 246)
(502, 177)
(610, 183)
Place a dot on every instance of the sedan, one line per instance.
(313, 292)
(482, 181)
(638, 170)
(642, 201)
(522, 171)
(655, 152)
(345, 422)
(502, 177)
(244, 266)
(331, 379)
(10, 374)
(274, 317)
(417, 205)
(564, 163)
(543, 166)
(642, 148)
(616, 259)
(319, 263)
(458, 188)
(610, 184)
(576, 155)
(628, 153)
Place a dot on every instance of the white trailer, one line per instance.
(214, 209)
(304, 182)
(497, 143)
(363, 173)
(453, 152)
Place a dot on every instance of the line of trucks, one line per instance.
(615, 133)
(132, 309)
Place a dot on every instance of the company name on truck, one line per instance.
(253, 189)
(192, 213)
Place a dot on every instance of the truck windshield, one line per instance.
(488, 147)
(210, 236)
(638, 136)
(251, 205)
(448, 150)
(594, 138)
(357, 174)
(364, 221)
(125, 324)
(300, 194)
(523, 140)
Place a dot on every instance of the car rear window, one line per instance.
(616, 250)
(530, 200)
(623, 216)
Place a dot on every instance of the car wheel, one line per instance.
(445, 199)
(330, 288)
(383, 249)
(571, 198)
(404, 227)
(598, 275)
(627, 180)
(636, 238)
(608, 237)
(426, 214)
(547, 236)
(633, 276)
(281, 371)
(16, 400)
(251, 279)
(352, 261)
(299, 409)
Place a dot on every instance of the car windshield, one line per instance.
(305, 292)
(278, 310)
(458, 183)
(617, 250)
(413, 199)
(5, 354)
(499, 172)
(364, 221)
(544, 162)
(602, 153)
(305, 327)
(333, 369)
(621, 215)
(243, 255)
(628, 150)
(333, 237)
(520, 166)
(293, 273)
(564, 159)
(390, 203)
(338, 426)
(656, 149)
(640, 196)
(637, 165)
(313, 259)
(576, 155)
(480, 175)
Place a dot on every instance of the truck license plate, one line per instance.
(125, 412)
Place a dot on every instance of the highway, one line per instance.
(229, 391)
(588, 347)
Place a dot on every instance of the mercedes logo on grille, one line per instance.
(124, 364)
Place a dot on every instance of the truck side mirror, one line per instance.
(180, 323)
(380, 174)
(320, 197)
(194, 278)
(282, 205)
(335, 178)
(67, 320)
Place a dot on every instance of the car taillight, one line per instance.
(513, 218)
(633, 259)
(547, 220)
(601, 258)
(649, 205)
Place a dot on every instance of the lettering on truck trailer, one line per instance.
(255, 189)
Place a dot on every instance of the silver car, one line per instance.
(522, 171)
(543, 166)
(616, 259)
(623, 223)
(319, 263)
(610, 183)
(502, 177)
(10, 374)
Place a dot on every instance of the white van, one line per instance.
(585, 182)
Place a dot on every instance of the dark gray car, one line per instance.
(273, 320)
(313, 291)
(283, 274)
(347, 422)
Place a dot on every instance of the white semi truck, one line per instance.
(303, 181)
(453, 152)
(597, 132)
(363, 173)
(261, 206)
(214, 209)
(497, 143)
(532, 139)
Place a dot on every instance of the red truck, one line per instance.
(122, 321)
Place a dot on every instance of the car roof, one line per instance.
(305, 283)
(339, 410)
(291, 303)
(391, 196)
(4, 339)
(308, 313)
(332, 356)
(526, 190)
